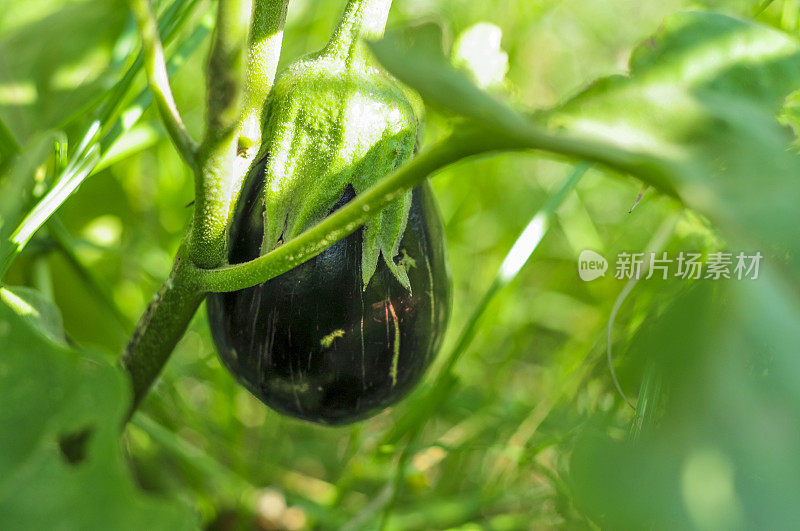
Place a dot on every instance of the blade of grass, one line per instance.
(648, 403)
(762, 7)
(91, 153)
(519, 255)
(8, 144)
(16, 190)
(216, 155)
(169, 25)
(656, 244)
(570, 383)
(65, 244)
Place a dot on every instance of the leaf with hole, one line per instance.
(61, 465)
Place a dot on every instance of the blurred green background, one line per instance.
(533, 387)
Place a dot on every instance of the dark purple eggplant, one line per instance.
(311, 343)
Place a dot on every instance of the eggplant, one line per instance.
(315, 343)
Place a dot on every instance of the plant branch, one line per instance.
(169, 313)
(156, 69)
(264, 50)
(468, 142)
(215, 162)
(161, 327)
(345, 220)
(362, 19)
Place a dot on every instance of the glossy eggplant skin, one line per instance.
(311, 343)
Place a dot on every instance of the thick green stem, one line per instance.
(170, 312)
(649, 401)
(264, 50)
(345, 221)
(349, 218)
(156, 69)
(362, 19)
(215, 162)
(161, 327)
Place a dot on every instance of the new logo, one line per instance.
(591, 265)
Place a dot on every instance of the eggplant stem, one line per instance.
(362, 19)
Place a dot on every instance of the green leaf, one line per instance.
(18, 180)
(702, 99)
(696, 117)
(726, 447)
(61, 465)
(56, 79)
(40, 312)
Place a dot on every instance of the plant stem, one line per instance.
(169, 313)
(264, 50)
(215, 162)
(161, 327)
(156, 69)
(468, 142)
(345, 220)
(362, 19)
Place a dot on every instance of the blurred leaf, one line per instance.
(18, 180)
(40, 313)
(61, 465)
(57, 61)
(696, 117)
(8, 144)
(702, 97)
(724, 454)
(416, 56)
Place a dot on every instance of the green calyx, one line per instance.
(335, 119)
